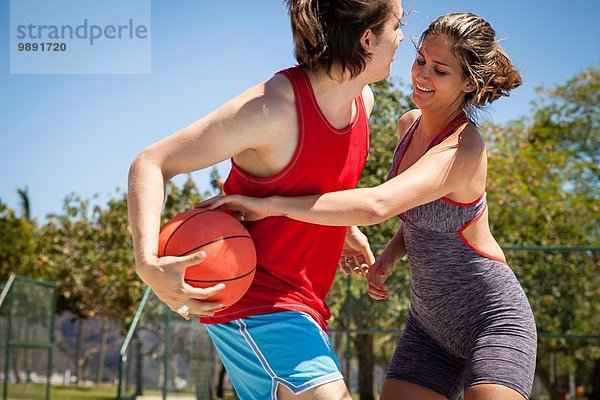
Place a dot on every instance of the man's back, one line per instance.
(297, 261)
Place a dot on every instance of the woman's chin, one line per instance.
(417, 100)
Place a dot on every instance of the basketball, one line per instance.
(230, 254)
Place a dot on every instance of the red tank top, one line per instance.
(297, 261)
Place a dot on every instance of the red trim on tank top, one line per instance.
(313, 98)
(446, 132)
(470, 245)
(449, 130)
(459, 204)
(406, 141)
(299, 144)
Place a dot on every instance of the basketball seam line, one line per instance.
(213, 241)
(180, 225)
(222, 280)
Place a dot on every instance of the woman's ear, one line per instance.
(469, 86)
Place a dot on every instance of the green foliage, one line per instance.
(88, 250)
(181, 199)
(567, 121)
(16, 242)
(89, 253)
(391, 103)
(543, 189)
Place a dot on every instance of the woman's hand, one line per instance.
(248, 208)
(377, 275)
(165, 275)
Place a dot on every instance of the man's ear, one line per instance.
(367, 41)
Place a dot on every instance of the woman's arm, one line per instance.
(395, 249)
(382, 268)
(444, 169)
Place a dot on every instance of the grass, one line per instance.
(32, 391)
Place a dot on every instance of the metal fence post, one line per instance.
(51, 338)
(348, 325)
(4, 296)
(125, 346)
(166, 351)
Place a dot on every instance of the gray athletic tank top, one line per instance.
(445, 269)
(443, 214)
(468, 303)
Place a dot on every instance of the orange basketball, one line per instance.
(230, 254)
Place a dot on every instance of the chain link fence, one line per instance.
(164, 355)
(364, 332)
(27, 314)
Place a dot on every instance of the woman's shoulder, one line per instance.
(406, 121)
(470, 137)
(468, 143)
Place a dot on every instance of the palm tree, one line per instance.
(25, 203)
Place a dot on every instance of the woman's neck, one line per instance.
(433, 122)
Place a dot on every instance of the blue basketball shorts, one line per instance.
(284, 348)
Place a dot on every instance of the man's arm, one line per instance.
(244, 124)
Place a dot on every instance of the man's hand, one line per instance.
(356, 254)
(164, 276)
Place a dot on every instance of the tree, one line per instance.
(89, 251)
(16, 243)
(543, 189)
(25, 203)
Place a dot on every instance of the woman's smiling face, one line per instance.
(437, 77)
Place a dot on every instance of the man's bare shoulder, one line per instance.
(256, 114)
(265, 107)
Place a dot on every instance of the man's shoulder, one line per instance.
(265, 107)
(272, 102)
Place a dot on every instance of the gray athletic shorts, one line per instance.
(477, 336)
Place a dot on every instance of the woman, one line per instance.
(470, 327)
(272, 342)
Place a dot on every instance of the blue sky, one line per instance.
(79, 133)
